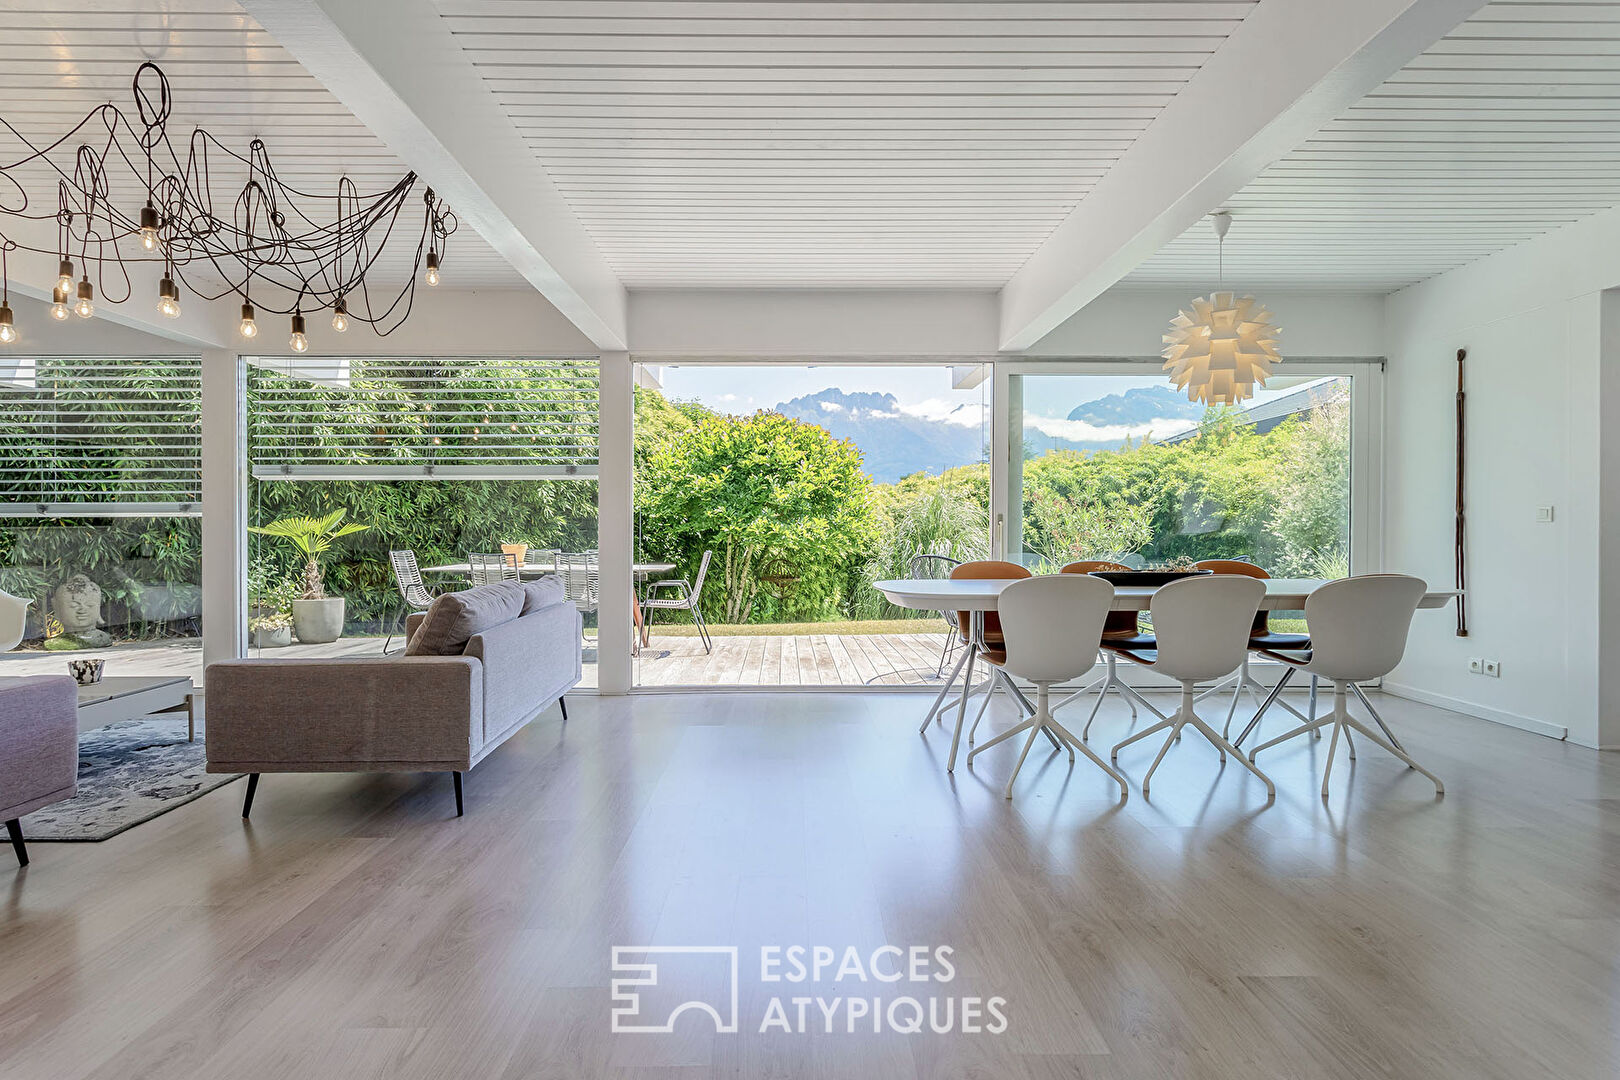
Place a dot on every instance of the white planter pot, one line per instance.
(278, 638)
(318, 621)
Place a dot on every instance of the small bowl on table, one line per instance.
(86, 672)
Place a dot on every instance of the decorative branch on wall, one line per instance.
(274, 248)
(1461, 548)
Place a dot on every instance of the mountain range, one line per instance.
(898, 441)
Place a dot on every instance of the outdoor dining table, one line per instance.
(979, 595)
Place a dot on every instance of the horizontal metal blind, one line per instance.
(382, 418)
(100, 436)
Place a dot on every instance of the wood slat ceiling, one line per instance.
(57, 61)
(817, 143)
(1507, 128)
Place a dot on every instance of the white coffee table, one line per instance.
(119, 697)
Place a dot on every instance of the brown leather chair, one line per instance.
(985, 569)
(1261, 639)
(1122, 633)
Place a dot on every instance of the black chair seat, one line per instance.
(1270, 642)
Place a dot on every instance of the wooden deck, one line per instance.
(793, 660)
(776, 660)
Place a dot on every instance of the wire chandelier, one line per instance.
(281, 250)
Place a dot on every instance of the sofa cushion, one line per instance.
(542, 593)
(455, 617)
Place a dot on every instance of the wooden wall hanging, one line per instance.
(1461, 550)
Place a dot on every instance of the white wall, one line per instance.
(1131, 323)
(443, 322)
(1541, 387)
(41, 335)
(812, 323)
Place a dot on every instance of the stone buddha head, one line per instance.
(77, 604)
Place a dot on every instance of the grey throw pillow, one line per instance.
(541, 593)
(455, 617)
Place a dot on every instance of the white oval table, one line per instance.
(979, 595)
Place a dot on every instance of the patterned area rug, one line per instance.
(129, 772)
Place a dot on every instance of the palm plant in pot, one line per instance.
(316, 617)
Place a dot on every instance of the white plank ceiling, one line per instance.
(818, 143)
(57, 61)
(1507, 128)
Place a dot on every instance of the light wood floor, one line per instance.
(356, 928)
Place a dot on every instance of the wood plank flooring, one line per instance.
(357, 928)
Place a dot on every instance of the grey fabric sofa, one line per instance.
(426, 713)
(39, 748)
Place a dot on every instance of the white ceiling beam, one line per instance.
(1289, 68)
(397, 67)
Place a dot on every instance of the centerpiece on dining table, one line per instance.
(1152, 576)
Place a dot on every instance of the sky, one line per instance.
(923, 391)
(734, 388)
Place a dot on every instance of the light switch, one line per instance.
(1544, 515)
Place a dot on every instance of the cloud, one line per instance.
(727, 397)
(1080, 431)
(831, 406)
(941, 411)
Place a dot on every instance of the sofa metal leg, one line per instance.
(562, 703)
(247, 801)
(457, 778)
(14, 830)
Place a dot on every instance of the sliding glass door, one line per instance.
(790, 488)
(431, 462)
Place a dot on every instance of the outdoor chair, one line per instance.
(686, 599)
(412, 589)
(491, 567)
(581, 578)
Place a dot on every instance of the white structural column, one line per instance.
(398, 68)
(224, 494)
(1288, 68)
(615, 525)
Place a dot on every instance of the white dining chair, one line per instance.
(1358, 632)
(1050, 628)
(1201, 630)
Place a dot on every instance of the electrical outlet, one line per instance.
(1493, 669)
(1476, 666)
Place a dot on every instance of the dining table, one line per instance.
(979, 595)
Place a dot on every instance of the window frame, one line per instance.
(1366, 437)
